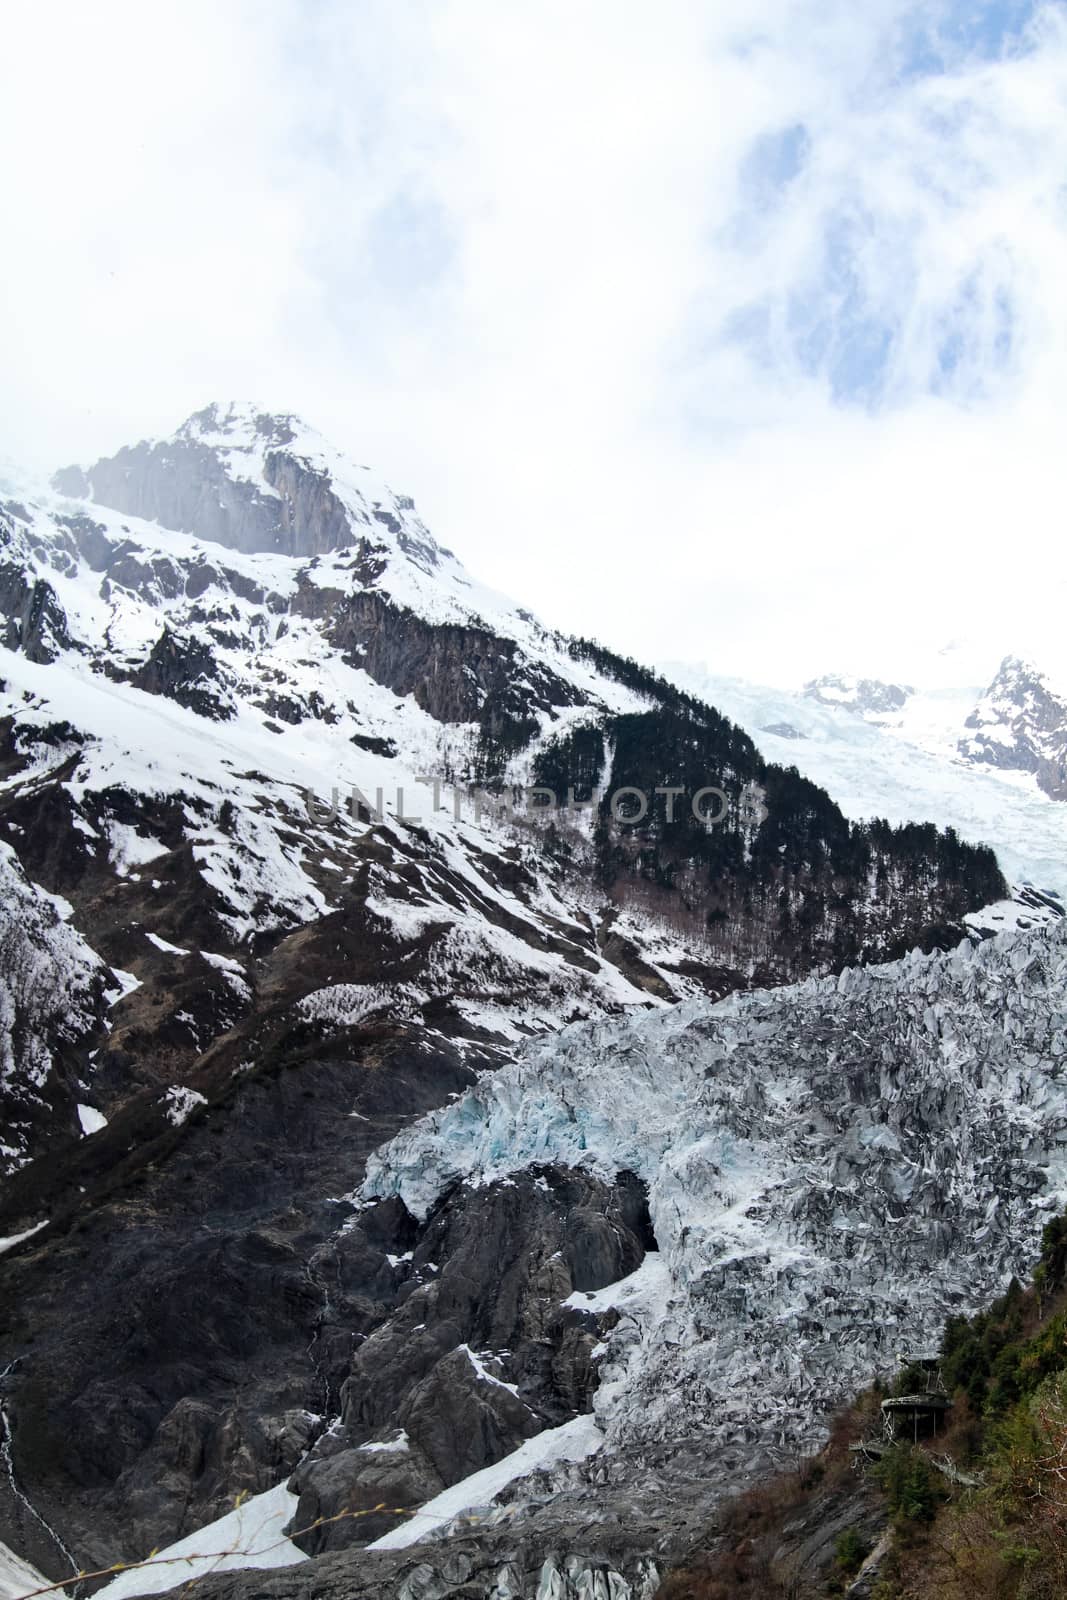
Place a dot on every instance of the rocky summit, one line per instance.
(1020, 724)
(465, 1110)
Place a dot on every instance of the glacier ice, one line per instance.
(832, 1168)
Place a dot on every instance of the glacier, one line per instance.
(832, 1169)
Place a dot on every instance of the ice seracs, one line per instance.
(831, 1168)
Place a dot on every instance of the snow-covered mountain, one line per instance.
(170, 705)
(214, 738)
(1020, 724)
(274, 888)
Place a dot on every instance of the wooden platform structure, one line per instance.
(921, 1414)
(914, 1416)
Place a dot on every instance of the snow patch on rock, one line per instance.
(180, 1103)
(573, 1441)
(249, 1536)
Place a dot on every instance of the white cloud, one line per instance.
(658, 362)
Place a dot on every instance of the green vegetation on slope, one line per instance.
(781, 880)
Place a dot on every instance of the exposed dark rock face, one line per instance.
(784, 1539)
(865, 697)
(456, 674)
(1021, 725)
(193, 1324)
(183, 483)
(35, 621)
(481, 1352)
(33, 618)
(229, 1277)
(184, 670)
(51, 1003)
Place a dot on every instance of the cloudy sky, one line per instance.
(731, 331)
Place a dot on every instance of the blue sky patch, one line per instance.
(976, 340)
(410, 244)
(774, 162)
(934, 40)
(837, 328)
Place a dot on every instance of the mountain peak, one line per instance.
(233, 420)
(255, 481)
(1020, 724)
